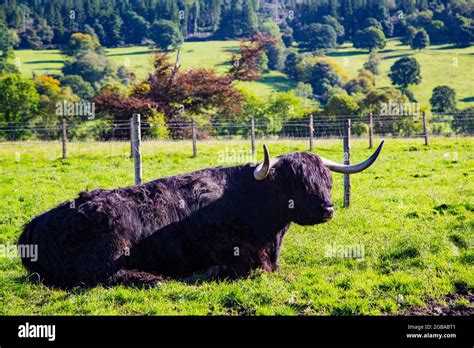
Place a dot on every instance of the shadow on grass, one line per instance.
(230, 49)
(45, 62)
(394, 56)
(467, 99)
(345, 54)
(450, 47)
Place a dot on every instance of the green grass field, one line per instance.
(210, 54)
(440, 65)
(412, 211)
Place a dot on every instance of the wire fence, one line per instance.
(101, 143)
(314, 126)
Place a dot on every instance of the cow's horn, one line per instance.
(352, 168)
(263, 168)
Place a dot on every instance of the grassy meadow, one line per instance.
(209, 54)
(412, 211)
(440, 65)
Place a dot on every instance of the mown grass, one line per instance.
(412, 211)
(440, 65)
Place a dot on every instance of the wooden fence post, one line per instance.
(252, 136)
(64, 137)
(347, 160)
(193, 129)
(371, 143)
(131, 137)
(137, 152)
(311, 130)
(425, 128)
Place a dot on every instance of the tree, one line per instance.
(18, 99)
(371, 22)
(36, 34)
(341, 105)
(239, 19)
(283, 106)
(437, 32)
(92, 67)
(179, 95)
(51, 93)
(373, 63)
(369, 38)
(166, 34)
(245, 66)
(137, 28)
(275, 51)
(114, 31)
(405, 71)
(80, 87)
(317, 36)
(463, 122)
(6, 50)
(249, 19)
(80, 43)
(421, 40)
(291, 65)
(322, 79)
(361, 84)
(388, 28)
(443, 99)
(410, 35)
(463, 30)
(338, 27)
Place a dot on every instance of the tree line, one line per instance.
(39, 24)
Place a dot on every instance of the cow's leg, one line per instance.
(273, 251)
(133, 277)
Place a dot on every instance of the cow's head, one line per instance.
(306, 180)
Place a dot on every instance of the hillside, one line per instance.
(210, 54)
(440, 65)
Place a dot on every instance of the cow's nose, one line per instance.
(328, 212)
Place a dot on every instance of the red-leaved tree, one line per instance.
(245, 65)
(179, 95)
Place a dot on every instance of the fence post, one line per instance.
(64, 137)
(370, 130)
(311, 130)
(425, 128)
(131, 137)
(137, 153)
(193, 128)
(252, 136)
(347, 160)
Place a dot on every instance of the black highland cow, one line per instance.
(220, 222)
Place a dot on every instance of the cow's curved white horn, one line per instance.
(263, 168)
(352, 168)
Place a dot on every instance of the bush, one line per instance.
(158, 127)
(90, 130)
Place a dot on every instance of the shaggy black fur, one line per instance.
(219, 221)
